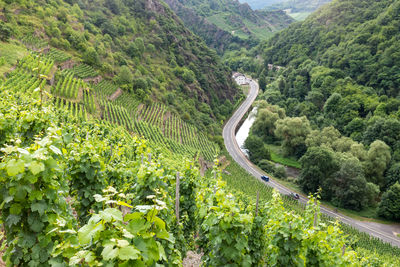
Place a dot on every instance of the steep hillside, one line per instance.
(357, 37)
(222, 23)
(338, 103)
(140, 45)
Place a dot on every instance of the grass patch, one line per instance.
(245, 89)
(300, 15)
(368, 214)
(277, 156)
(11, 52)
(398, 235)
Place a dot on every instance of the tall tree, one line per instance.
(390, 204)
(378, 160)
(317, 168)
(293, 132)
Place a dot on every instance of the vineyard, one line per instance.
(154, 122)
(67, 86)
(82, 71)
(92, 155)
(58, 56)
(37, 64)
(84, 193)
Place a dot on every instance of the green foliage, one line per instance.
(135, 238)
(86, 171)
(256, 149)
(33, 199)
(297, 241)
(293, 131)
(5, 31)
(317, 166)
(390, 204)
(124, 76)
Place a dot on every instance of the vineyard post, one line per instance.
(258, 196)
(142, 158)
(177, 197)
(343, 249)
(315, 214)
(149, 157)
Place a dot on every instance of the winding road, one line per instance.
(384, 232)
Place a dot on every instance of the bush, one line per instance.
(389, 207)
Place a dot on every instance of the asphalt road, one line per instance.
(382, 231)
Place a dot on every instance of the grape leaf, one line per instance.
(128, 253)
(36, 167)
(15, 167)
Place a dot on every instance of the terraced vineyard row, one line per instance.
(57, 55)
(34, 41)
(104, 89)
(116, 115)
(89, 101)
(77, 109)
(36, 63)
(177, 130)
(20, 80)
(82, 71)
(154, 114)
(67, 86)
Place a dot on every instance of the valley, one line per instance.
(118, 122)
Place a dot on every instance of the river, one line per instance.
(244, 130)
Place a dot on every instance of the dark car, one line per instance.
(294, 196)
(265, 178)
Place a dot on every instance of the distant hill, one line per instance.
(297, 9)
(295, 5)
(223, 22)
(260, 4)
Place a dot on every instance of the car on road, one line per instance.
(265, 178)
(294, 196)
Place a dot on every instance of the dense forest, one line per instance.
(335, 105)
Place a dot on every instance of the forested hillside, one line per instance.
(140, 45)
(336, 103)
(226, 24)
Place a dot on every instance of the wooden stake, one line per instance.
(142, 158)
(315, 215)
(258, 196)
(343, 249)
(177, 198)
(149, 157)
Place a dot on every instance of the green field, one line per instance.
(277, 156)
(300, 16)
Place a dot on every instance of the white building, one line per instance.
(240, 78)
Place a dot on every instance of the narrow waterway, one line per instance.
(243, 133)
(244, 130)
